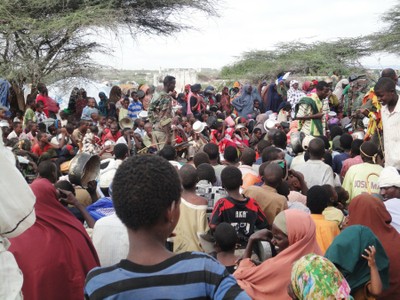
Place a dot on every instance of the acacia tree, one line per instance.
(388, 40)
(42, 38)
(319, 58)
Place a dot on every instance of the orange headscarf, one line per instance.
(271, 278)
(371, 212)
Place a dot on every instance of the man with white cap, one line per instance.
(197, 141)
(389, 185)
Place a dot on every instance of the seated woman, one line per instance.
(56, 253)
(146, 196)
(315, 277)
(360, 257)
(293, 235)
(371, 212)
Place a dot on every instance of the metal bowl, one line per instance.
(83, 169)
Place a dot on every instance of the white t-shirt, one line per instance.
(316, 172)
(12, 135)
(391, 138)
(110, 238)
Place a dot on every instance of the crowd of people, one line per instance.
(281, 190)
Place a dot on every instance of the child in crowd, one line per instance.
(243, 213)
(146, 196)
(193, 217)
(343, 197)
(39, 113)
(123, 111)
(225, 243)
(331, 212)
(29, 112)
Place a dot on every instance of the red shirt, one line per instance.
(43, 98)
(109, 137)
(39, 151)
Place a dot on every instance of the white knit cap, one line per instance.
(389, 177)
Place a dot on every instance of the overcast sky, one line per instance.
(250, 25)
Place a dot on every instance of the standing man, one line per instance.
(309, 111)
(160, 114)
(385, 90)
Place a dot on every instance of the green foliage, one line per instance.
(320, 58)
(51, 38)
(388, 40)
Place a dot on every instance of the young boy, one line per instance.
(146, 196)
(39, 114)
(225, 243)
(244, 214)
(123, 111)
(193, 216)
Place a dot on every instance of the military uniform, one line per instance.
(160, 115)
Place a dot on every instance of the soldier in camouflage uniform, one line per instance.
(161, 114)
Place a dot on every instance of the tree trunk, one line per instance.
(17, 99)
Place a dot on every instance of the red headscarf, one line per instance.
(306, 86)
(371, 212)
(56, 253)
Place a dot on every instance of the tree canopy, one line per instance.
(388, 40)
(321, 58)
(42, 37)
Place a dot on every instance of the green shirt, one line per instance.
(29, 116)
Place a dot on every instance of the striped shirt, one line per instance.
(189, 275)
(134, 109)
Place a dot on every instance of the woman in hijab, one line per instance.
(348, 253)
(56, 253)
(244, 103)
(294, 94)
(371, 212)
(315, 277)
(307, 87)
(273, 98)
(293, 234)
(115, 94)
(103, 104)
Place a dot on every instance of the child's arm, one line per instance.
(375, 288)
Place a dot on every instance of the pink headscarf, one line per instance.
(270, 279)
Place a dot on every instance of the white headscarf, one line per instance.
(294, 95)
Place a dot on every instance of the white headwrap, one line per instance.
(389, 177)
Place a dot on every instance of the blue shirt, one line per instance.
(134, 109)
(189, 275)
(338, 162)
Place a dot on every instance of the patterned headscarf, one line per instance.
(315, 277)
(294, 95)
